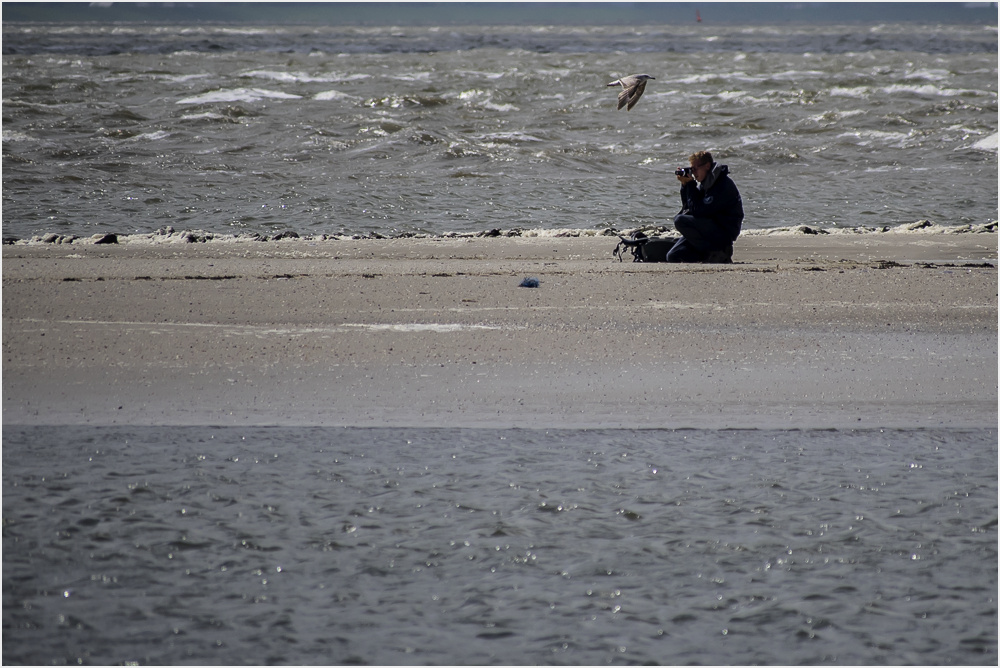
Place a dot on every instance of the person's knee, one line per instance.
(684, 222)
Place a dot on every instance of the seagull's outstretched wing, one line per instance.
(629, 96)
(632, 89)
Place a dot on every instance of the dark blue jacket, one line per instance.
(721, 202)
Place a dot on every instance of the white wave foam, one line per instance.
(925, 89)
(919, 227)
(333, 95)
(207, 115)
(797, 75)
(480, 74)
(244, 31)
(180, 78)
(340, 77)
(731, 94)
(484, 100)
(413, 77)
(14, 135)
(987, 143)
(550, 233)
(492, 106)
(238, 95)
(509, 137)
(750, 140)
(928, 75)
(199, 236)
(836, 115)
(867, 137)
(151, 136)
(288, 77)
(854, 91)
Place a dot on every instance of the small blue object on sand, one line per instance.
(529, 283)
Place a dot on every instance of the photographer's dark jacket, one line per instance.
(716, 198)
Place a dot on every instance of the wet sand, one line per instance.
(895, 330)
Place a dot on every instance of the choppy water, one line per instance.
(323, 130)
(388, 546)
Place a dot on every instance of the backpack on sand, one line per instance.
(645, 249)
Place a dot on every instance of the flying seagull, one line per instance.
(632, 87)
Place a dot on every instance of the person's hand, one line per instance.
(685, 179)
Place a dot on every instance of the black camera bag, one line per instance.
(645, 249)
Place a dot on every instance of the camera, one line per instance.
(684, 171)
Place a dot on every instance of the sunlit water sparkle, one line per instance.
(457, 546)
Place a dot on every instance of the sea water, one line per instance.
(325, 130)
(257, 545)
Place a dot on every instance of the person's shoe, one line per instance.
(720, 256)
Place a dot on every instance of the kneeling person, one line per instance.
(711, 216)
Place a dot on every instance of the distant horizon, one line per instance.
(502, 13)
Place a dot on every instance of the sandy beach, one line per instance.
(802, 331)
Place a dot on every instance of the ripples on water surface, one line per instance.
(388, 546)
(324, 130)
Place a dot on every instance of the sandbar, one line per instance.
(802, 331)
